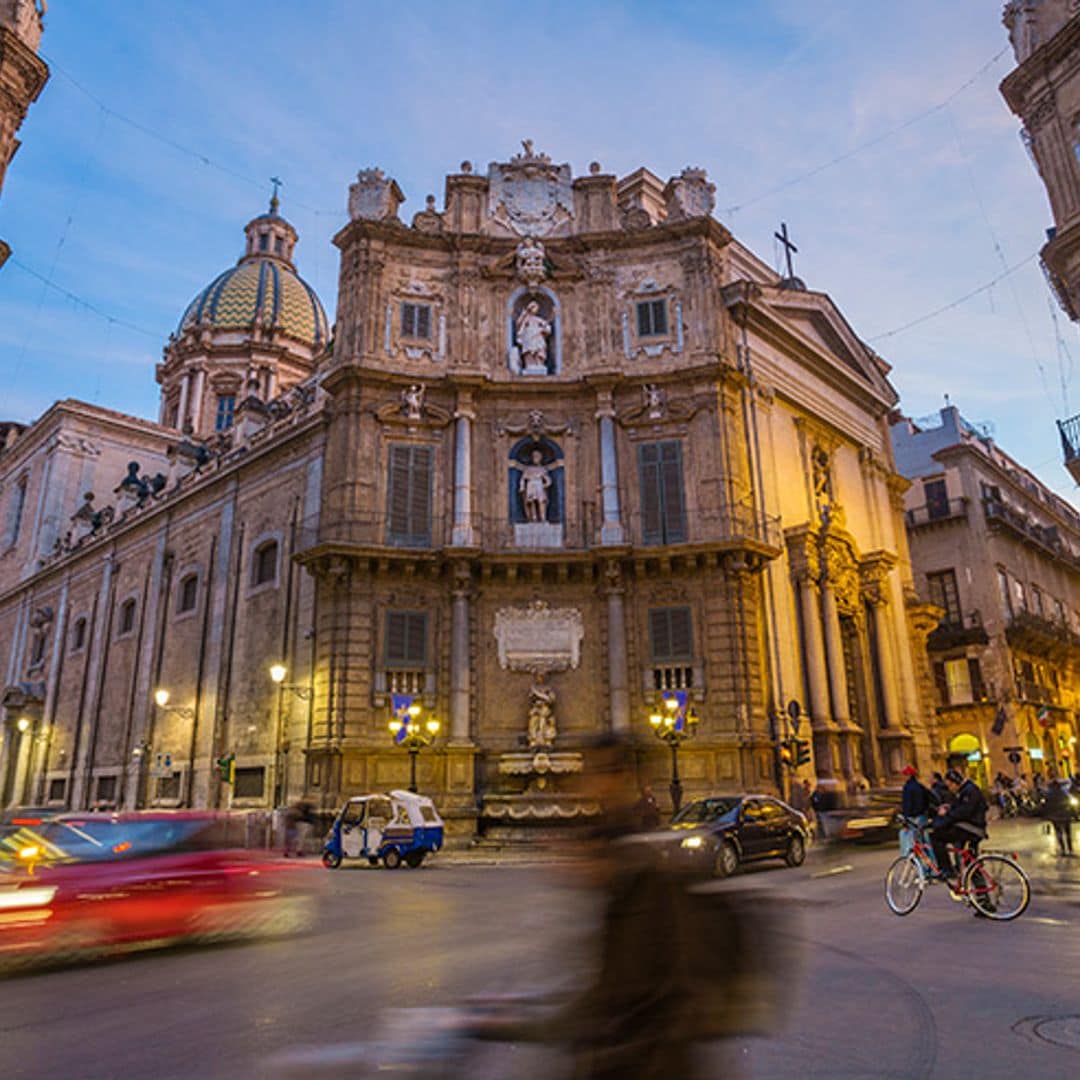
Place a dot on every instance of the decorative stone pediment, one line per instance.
(535, 423)
(529, 195)
(412, 409)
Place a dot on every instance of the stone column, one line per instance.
(886, 665)
(185, 388)
(611, 529)
(463, 534)
(618, 676)
(816, 675)
(834, 649)
(459, 656)
(198, 383)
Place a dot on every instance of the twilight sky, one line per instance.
(759, 94)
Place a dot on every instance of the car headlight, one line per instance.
(692, 842)
(20, 898)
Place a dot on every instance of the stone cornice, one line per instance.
(14, 53)
(1063, 47)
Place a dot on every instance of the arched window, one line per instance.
(188, 594)
(126, 623)
(264, 563)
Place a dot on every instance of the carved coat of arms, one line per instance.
(530, 195)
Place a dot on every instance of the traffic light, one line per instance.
(785, 755)
(227, 768)
(802, 752)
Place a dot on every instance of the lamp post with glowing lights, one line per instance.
(673, 726)
(282, 743)
(413, 740)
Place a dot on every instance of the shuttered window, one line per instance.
(416, 320)
(943, 593)
(406, 639)
(652, 318)
(671, 635)
(662, 505)
(409, 496)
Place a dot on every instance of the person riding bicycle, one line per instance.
(960, 822)
(914, 807)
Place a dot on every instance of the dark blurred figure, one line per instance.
(648, 809)
(1058, 810)
(678, 964)
(939, 791)
(800, 797)
(961, 822)
(297, 818)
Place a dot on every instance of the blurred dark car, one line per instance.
(725, 831)
(94, 884)
(878, 822)
(20, 827)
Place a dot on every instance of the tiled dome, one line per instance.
(263, 288)
(264, 291)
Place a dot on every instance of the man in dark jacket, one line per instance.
(915, 806)
(939, 791)
(1058, 809)
(960, 822)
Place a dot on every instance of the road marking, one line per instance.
(1047, 921)
(845, 869)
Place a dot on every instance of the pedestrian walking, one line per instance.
(1058, 810)
(915, 806)
(648, 809)
(800, 797)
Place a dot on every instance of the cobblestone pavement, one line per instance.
(936, 994)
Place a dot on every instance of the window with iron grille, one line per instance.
(663, 513)
(249, 782)
(264, 563)
(937, 499)
(408, 495)
(652, 320)
(416, 320)
(944, 593)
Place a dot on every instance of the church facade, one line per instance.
(573, 460)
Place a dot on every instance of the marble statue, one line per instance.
(533, 487)
(533, 331)
(412, 401)
(542, 729)
(530, 260)
(654, 400)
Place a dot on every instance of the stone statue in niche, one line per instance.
(533, 331)
(412, 402)
(654, 401)
(821, 472)
(542, 730)
(533, 487)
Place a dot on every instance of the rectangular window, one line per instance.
(168, 787)
(409, 496)
(1006, 595)
(126, 622)
(15, 512)
(406, 639)
(57, 790)
(226, 407)
(670, 634)
(662, 504)
(78, 635)
(1059, 613)
(1021, 596)
(944, 593)
(189, 594)
(249, 783)
(416, 320)
(978, 687)
(1037, 600)
(652, 318)
(106, 790)
(937, 499)
(958, 679)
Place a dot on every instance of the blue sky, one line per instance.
(759, 94)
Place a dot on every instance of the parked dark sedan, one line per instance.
(728, 830)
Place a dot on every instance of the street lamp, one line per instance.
(413, 738)
(672, 726)
(304, 693)
(23, 724)
(161, 700)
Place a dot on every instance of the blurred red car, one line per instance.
(92, 884)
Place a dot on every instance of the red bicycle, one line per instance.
(994, 884)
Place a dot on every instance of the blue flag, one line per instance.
(399, 704)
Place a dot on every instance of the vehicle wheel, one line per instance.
(796, 851)
(414, 859)
(391, 858)
(727, 860)
(997, 887)
(331, 860)
(904, 885)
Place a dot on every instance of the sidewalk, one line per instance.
(1037, 852)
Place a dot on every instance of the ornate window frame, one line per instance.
(432, 348)
(652, 345)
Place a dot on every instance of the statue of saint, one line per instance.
(533, 487)
(533, 331)
(412, 402)
(654, 400)
(542, 730)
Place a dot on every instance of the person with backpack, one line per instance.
(1058, 809)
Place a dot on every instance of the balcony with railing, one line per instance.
(1034, 693)
(935, 512)
(1046, 538)
(1070, 445)
(1041, 636)
(966, 630)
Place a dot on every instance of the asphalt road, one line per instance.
(936, 994)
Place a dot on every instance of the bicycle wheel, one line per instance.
(997, 887)
(904, 885)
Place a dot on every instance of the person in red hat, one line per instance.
(915, 806)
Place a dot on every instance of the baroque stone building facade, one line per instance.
(999, 554)
(574, 454)
(23, 75)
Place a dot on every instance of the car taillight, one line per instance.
(26, 821)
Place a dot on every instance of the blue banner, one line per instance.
(400, 704)
(683, 699)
